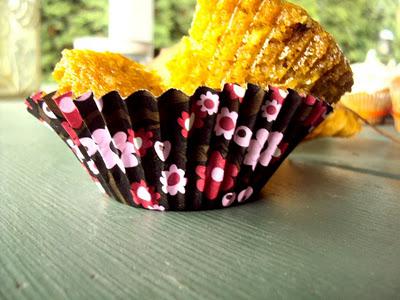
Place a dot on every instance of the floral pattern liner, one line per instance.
(210, 150)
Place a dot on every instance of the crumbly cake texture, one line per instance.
(82, 70)
(259, 41)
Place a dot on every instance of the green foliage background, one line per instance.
(354, 23)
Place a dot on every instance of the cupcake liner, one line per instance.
(222, 134)
(248, 113)
(175, 124)
(210, 150)
(143, 113)
(373, 107)
(270, 109)
(203, 107)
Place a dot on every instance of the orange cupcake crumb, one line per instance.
(101, 72)
(341, 123)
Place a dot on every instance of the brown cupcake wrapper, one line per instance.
(176, 152)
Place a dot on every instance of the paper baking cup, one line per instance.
(210, 150)
(373, 107)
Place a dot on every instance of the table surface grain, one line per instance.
(328, 226)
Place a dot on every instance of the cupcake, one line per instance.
(370, 97)
(231, 105)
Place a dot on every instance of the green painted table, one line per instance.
(328, 227)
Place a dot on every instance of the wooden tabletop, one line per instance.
(328, 226)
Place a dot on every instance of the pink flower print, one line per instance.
(231, 171)
(209, 103)
(271, 110)
(127, 149)
(255, 147)
(201, 182)
(142, 140)
(278, 94)
(236, 91)
(173, 180)
(214, 175)
(69, 110)
(145, 196)
(242, 136)
(225, 123)
(186, 122)
(245, 194)
(273, 141)
(228, 199)
(102, 138)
